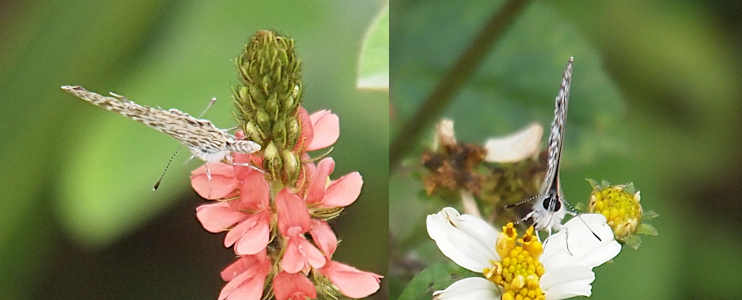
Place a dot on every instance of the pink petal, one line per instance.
(318, 180)
(247, 285)
(324, 237)
(218, 217)
(313, 256)
(292, 212)
(222, 183)
(307, 133)
(326, 126)
(251, 229)
(352, 282)
(293, 260)
(300, 253)
(256, 238)
(293, 286)
(343, 191)
(243, 264)
(254, 193)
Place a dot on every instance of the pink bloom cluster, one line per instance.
(268, 223)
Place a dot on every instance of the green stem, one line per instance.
(461, 71)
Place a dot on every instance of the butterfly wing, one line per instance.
(205, 140)
(549, 211)
(556, 138)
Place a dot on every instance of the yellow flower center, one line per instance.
(621, 209)
(519, 271)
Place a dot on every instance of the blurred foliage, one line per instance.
(80, 219)
(373, 68)
(437, 277)
(655, 100)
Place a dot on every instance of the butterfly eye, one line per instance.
(552, 203)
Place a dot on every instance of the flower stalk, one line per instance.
(274, 204)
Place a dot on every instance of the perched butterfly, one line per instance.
(206, 141)
(549, 209)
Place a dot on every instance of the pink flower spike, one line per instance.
(318, 180)
(293, 216)
(223, 181)
(326, 126)
(352, 282)
(218, 217)
(251, 235)
(324, 237)
(293, 287)
(344, 191)
(246, 278)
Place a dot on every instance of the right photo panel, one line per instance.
(560, 149)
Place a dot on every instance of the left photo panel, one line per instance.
(259, 168)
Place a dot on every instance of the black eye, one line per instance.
(204, 151)
(552, 204)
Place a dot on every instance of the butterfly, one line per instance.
(549, 209)
(206, 141)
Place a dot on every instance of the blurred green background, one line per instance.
(79, 218)
(656, 99)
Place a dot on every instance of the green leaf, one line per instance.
(649, 215)
(633, 241)
(373, 66)
(436, 277)
(646, 229)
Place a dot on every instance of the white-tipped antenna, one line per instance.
(157, 184)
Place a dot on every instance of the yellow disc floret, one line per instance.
(519, 271)
(620, 206)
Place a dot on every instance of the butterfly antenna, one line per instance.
(522, 202)
(571, 208)
(591, 230)
(211, 103)
(573, 211)
(157, 184)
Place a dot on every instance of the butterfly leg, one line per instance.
(230, 160)
(208, 176)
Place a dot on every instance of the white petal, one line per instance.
(446, 134)
(469, 288)
(576, 245)
(567, 282)
(466, 240)
(515, 147)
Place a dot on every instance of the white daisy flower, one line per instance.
(521, 266)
